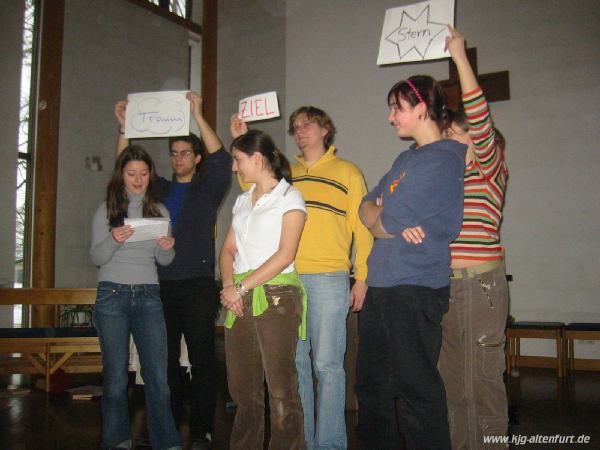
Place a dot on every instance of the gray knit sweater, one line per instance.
(127, 263)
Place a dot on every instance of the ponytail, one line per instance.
(281, 166)
(257, 141)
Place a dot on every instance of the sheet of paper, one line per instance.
(157, 114)
(415, 32)
(259, 107)
(147, 229)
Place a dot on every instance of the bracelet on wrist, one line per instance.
(240, 288)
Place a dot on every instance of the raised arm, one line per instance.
(120, 109)
(210, 138)
(237, 126)
(455, 43)
(488, 154)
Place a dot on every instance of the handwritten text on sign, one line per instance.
(415, 32)
(259, 107)
(157, 114)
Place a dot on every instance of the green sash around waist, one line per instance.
(259, 297)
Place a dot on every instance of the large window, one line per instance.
(180, 7)
(24, 150)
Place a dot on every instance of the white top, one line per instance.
(258, 229)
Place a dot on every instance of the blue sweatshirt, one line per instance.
(424, 187)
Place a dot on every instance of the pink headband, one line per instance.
(412, 86)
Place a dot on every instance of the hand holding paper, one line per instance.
(120, 109)
(147, 229)
(455, 44)
(121, 234)
(195, 103)
(238, 126)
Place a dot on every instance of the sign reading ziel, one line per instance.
(157, 114)
(259, 107)
(416, 32)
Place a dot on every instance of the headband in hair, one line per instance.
(415, 90)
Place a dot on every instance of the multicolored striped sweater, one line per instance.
(485, 186)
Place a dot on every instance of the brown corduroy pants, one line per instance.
(260, 348)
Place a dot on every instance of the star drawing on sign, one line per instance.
(415, 33)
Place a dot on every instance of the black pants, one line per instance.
(399, 346)
(190, 308)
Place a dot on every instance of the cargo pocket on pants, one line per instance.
(490, 362)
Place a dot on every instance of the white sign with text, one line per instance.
(416, 32)
(157, 114)
(259, 107)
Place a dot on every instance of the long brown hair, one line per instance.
(117, 201)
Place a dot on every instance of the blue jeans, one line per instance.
(328, 306)
(122, 309)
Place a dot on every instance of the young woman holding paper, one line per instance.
(265, 298)
(128, 302)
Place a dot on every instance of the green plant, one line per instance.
(76, 316)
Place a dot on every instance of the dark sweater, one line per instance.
(424, 187)
(195, 230)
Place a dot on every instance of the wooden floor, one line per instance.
(540, 405)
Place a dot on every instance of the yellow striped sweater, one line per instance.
(333, 189)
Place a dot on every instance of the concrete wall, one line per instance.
(127, 49)
(551, 49)
(251, 60)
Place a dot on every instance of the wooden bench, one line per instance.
(516, 331)
(45, 350)
(584, 331)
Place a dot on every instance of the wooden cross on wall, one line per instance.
(495, 85)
